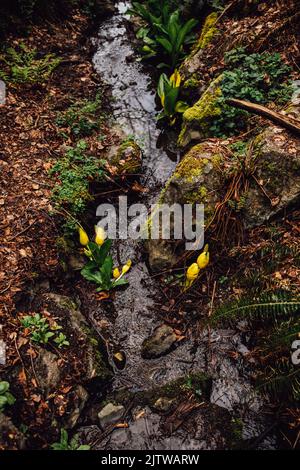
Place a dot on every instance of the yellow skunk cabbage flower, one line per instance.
(203, 258)
(100, 235)
(126, 267)
(192, 272)
(175, 79)
(83, 237)
(163, 99)
(116, 273)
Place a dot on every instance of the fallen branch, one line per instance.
(291, 124)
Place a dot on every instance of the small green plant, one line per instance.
(6, 398)
(23, 65)
(260, 78)
(168, 90)
(61, 340)
(166, 36)
(81, 118)
(39, 328)
(99, 268)
(41, 331)
(64, 443)
(75, 171)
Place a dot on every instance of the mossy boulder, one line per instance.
(208, 31)
(197, 179)
(276, 186)
(197, 120)
(126, 159)
(193, 62)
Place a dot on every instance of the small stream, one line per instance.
(132, 316)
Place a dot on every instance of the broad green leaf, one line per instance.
(170, 101)
(3, 401)
(121, 282)
(4, 386)
(165, 43)
(189, 25)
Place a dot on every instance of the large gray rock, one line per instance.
(198, 119)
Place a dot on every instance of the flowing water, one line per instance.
(132, 316)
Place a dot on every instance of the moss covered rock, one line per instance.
(208, 32)
(126, 159)
(197, 179)
(193, 62)
(77, 328)
(198, 119)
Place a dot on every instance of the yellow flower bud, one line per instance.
(175, 79)
(126, 267)
(100, 235)
(116, 273)
(203, 258)
(83, 237)
(192, 272)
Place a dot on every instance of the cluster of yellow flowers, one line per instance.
(116, 272)
(100, 237)
(194, 269)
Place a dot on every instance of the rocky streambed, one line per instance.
(148, 392)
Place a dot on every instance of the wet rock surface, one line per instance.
(197, 179)
(159, 343)
(134, 106)
(198, 119)
(110, 414)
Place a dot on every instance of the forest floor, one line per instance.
(30, 143)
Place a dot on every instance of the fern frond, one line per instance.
(282, 381)
(268, 306)
(283, 335)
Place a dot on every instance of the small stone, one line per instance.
(163, 404)
(80, 397)
(159, 343)
(76, 262)
(110, 414)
